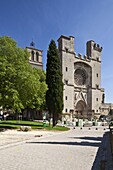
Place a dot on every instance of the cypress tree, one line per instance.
(54, 95)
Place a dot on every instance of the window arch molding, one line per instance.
(37, 56)
(32, 55)
(82, 74)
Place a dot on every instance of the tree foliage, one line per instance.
(21, 86)
(54, 95)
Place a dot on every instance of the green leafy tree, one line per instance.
(9, 55)
(42, 89)
(21, 86)
(54, 95)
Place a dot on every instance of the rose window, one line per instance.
(80, 77)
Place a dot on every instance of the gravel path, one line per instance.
(12, 137)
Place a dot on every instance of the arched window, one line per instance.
(37, 56)
(32, 55)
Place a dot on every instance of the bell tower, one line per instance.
(35, 58)
(94, 54)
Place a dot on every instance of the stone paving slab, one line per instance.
(13, 136)
(75, 149)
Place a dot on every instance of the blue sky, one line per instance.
(43, 20)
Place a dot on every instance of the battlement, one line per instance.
(83, 57)
(93, 50)
(97, 47)
(91, 45)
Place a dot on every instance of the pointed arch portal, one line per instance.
(81, 109)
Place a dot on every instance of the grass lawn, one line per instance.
(16, 124)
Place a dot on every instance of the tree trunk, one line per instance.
(49, 119)
(28, 115)
(55, 119)
(16, 115)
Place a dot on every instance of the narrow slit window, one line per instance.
(32, 55)
(37, 56)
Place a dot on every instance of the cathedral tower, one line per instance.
(81, 78)
(35, 58)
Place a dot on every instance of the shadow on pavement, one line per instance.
(88, 138)
(84, 143)
(104, 155)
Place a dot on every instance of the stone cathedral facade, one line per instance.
(83, 94)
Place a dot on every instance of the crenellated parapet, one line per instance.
(83, 57)
(93, 50)
(97, 47)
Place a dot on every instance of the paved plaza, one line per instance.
(41, 150)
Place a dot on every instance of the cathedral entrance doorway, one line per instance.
(81, 109)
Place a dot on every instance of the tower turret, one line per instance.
(66, 44)
(93, 50)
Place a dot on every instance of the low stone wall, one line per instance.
(111, 138)
(104, 159)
